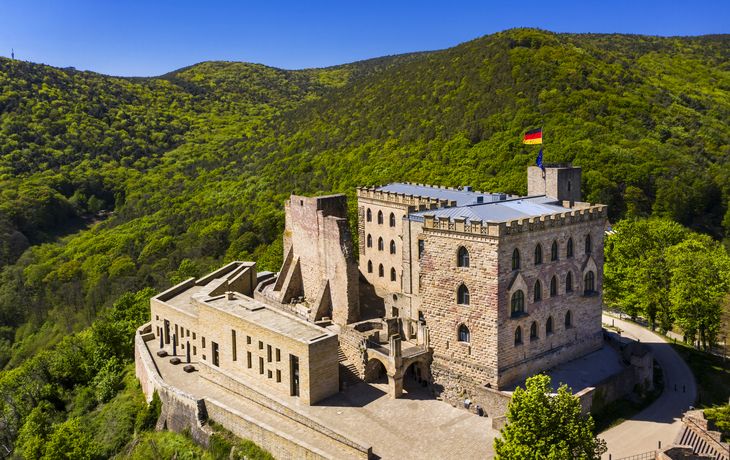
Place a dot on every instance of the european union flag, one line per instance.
(539, 161)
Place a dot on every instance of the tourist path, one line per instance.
(661, 421)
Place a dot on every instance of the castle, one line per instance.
(452, 285)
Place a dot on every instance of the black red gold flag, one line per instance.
(534, 136)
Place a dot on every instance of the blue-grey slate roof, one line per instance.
(498, 211)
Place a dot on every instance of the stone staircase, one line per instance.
(348, 372)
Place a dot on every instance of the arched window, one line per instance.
(392, 219)
(381, 272)
(464, 334)
(462, 259)
(369, 215)
(463, 295)
(569, 282)
(568, 319)
(569, 251)
(518, 303)
(554, 286)
(554, 251)
(538, 291)
(370, 266)
(380, 217)
(518, 335)
(516, 259)
(533, 330)
(370, 241)
(392, 274)
(588, 244)
(588, 286)
(538, 254)
(380, 244)
(392, 247)
(549, 326)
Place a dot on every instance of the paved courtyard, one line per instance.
(415, 426)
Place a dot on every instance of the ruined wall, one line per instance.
(320, 237)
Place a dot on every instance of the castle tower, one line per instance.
(560, 181)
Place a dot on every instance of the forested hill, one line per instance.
(196, 164)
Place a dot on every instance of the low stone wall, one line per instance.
(279, 444)
(455, 391)
(230, 383)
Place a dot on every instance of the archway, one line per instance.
(375, 371)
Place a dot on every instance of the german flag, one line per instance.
(534, 136)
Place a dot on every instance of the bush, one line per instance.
(147, 417)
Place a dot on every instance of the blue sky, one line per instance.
(146, 38)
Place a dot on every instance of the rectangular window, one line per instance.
(203, 341)
(261, 365)
(270, 374)
(233, 344)
(188, 332)
(248, 340)
(157, 317)
(278, 355)
(268, 353)
(216, 361)
(248, 356)
(193, 335)
(278, 376)
(421, 248)
(261, 345)
(195, 351)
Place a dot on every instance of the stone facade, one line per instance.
(320, 263)
(234, 332)
(561, 182)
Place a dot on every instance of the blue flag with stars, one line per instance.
(539, 161)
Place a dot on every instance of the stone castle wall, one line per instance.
(560, 183)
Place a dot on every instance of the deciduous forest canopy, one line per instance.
(194, 166)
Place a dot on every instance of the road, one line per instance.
(660, 421)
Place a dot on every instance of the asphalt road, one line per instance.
(662, 420)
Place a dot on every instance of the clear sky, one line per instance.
(146, 38)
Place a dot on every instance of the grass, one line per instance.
(623, 409)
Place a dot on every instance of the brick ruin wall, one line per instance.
(319, 234)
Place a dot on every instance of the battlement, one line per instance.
(415, 203)
(513, 226)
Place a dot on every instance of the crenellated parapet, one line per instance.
(515, 226)
(414, 203)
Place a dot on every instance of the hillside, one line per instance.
(196, 163)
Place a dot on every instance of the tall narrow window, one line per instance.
(464, 334)
(261, 365)
(216, 358)
(380, 217)
(516, 259)
(554, 286)
(518, 303)
(533, 330)
(370, 241)
(569, 251)
(588, 244)
(549, 326)
(588, 286)
(421, 248)
(380, 244)
(381, 271)
(463, 295)
(268, 353)
(233, 344)
(248, 359)
(568, 320)
(278, 355)
(369, 215)
(538, 254)
(392, 247)
(538, 291)
(392, 219)
(392, 274)
(554, 251)
(278, 376)
(518, 335)
(463, 257)
(370, 266)
(569, 282)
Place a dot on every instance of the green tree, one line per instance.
(69, 442)
(544, 426)
(700, 268)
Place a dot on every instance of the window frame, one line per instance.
(464, 334)
(554, 286)
(517, 304)
(463, 297)
(554, 252)
(537, 291)
(516, 259)
(391, 220)
(462, 257)
(569, 248)
(538, 254)
(380, 217)
(369, 215)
